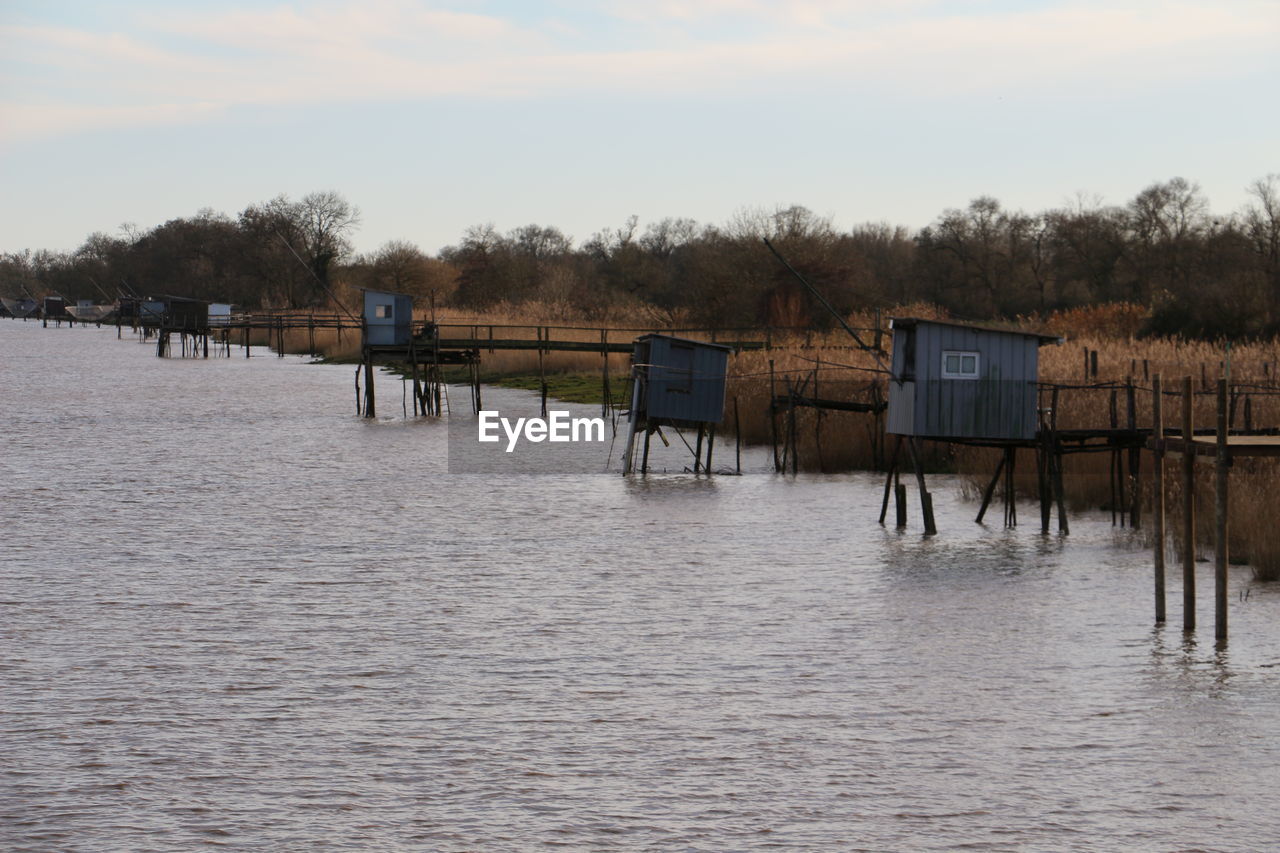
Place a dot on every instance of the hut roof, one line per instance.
(911, 322)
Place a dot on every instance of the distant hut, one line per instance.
(186, 315)
(219, 313)
(55, 308)
(961, 381)
(677, 382)
(388, 318)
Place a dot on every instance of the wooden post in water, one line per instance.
(1010, 505)
(1222, 472)
(737, 436)
(990, 489)
(1157, 497)
(889, 477)
(1055, 463)
(605, 400)
(417, 392)
(1188, 509)
(1135, 458)
(926, 499)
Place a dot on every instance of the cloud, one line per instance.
(172, 66)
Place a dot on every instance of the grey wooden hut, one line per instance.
(186, 315)
(677, 382)
(388, 318)
(55, 308)
(961, 381)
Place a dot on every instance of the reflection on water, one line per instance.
(236, 615)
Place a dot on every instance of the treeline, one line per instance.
(1200, 274)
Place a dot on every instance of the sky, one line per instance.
(435, 116)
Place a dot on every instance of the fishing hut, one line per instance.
(55, 309)
(679, 383)
(963, 384)
(189, 318)
(220, 313)
(389, 336)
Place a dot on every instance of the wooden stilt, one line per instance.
(773, 418)
(1222, 473)
(1010, 495)
(370, 403)
(990, 489)
(889, 476)
(1135, 458)
(926, 499)
(1055, 466)
(633, 418)
(792, 437)
(1157, 496)
(1188, 509)
(737, 437)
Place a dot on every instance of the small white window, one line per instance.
(960, 364)
(382, 312)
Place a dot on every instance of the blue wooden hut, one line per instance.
(680, 381)
(962, 381)
(388, 318)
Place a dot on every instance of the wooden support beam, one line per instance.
(1157, 497)
(1188, 511)
(890, 474)
(926, 499)
(1222, 472)
(990, 489)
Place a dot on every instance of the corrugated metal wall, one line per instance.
(1000, 403)
(685, 379)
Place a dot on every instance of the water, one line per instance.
(233, 614)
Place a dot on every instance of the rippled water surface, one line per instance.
(233, 614)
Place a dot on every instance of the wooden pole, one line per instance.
(1135, 458)
(1055, 462)
(697, 449)
(773, 418)
(370, 404)
(737, 436)
(889, 476)
(990, 489)
(926, 499)
(1042, 479)
(793, 438)
(1010, 505)
(632, 421)
(1222, 472)
(1157, 497)
(1188, 509)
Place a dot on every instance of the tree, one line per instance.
(1261, 224)
(296, 244)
